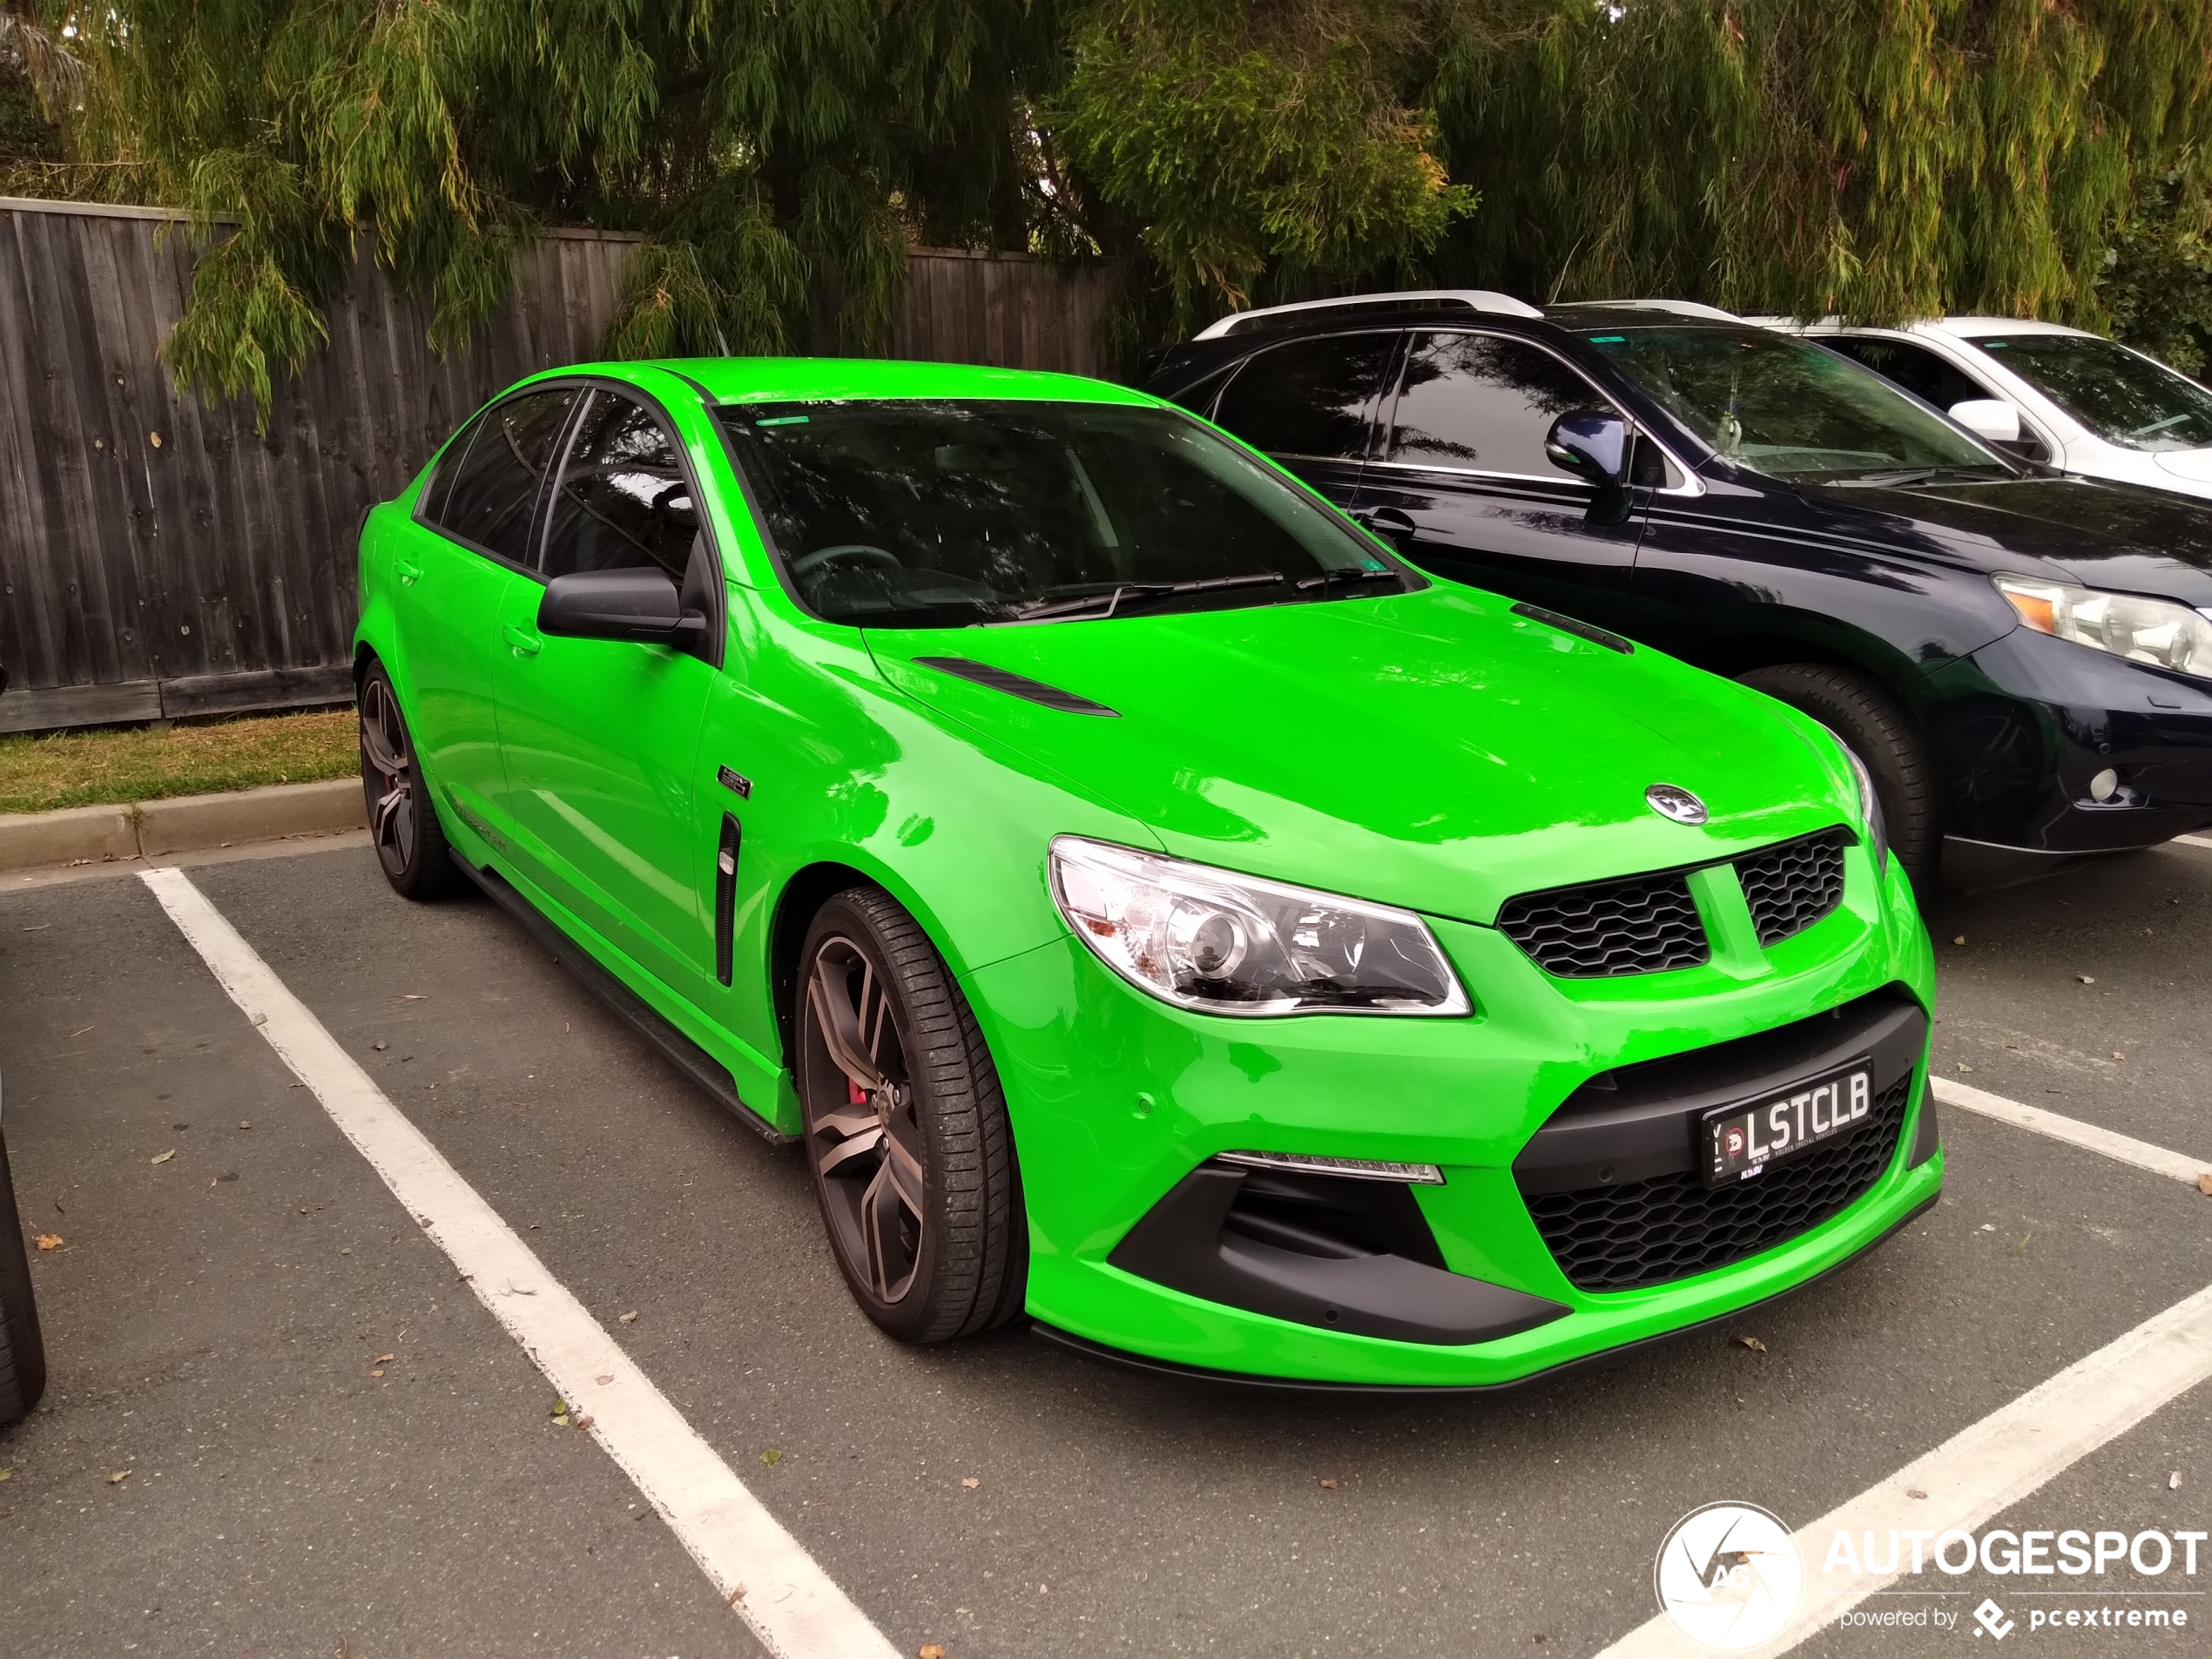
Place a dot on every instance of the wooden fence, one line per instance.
(161, 558)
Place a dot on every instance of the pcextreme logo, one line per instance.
(1728, 1577)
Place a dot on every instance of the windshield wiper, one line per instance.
(1036, 610)
(1906, 477)
(1307, 584)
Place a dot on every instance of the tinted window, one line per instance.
(2122, 397)
(1778, 406)
(1919, 370)
(495, 490)
(622, 501)
(1309, 398)
(936, 515)
(432, 506)
(1483, 402)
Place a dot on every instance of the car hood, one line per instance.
(2096, 532)
(2194, 465)
(1431, 749)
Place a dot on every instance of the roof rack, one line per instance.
(1473, 298)
(1680, 307)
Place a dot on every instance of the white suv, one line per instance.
(2071, 399)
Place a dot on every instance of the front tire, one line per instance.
(1874, 726)
(23, 1353)
(906, 1130)
(402, 819)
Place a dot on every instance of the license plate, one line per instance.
(1742, 1140)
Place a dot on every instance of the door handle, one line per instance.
(523, 644)
(409, 574)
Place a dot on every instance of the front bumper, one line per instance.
(2024, 724)
(1117, 1099)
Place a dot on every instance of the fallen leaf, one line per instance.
(243, 1124)
(1963, 1066)
(384, 1359)
(1988, 1227)
(1960, 940)
(163, 1158)
(771, 1457)
(2173, 1481)
(2023, 1243)
(1914, 1492)
(560, 1411)
(53, 1241)
(933, 1650)
(411, 996)
(629, 1317)
(2204, 1183)
(584, 1421)
(378, 1371)
(968, 1482)
(4, 1474)
(1753, 1343)
(1328, 1485)
(2118, 1055)
(604, 1381)
(2086, 978)
(735, 1595)
(119, 1477)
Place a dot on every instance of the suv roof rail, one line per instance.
(1680, 307)
(1474, 298)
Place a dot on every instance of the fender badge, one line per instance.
(741, 786)
(1671, 800)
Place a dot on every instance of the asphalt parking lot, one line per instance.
(333, 1448)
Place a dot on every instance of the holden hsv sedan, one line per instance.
(1156, 909)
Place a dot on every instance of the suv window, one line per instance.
(1483, 402)
(1310, 397)
(1919, 370)
(495, 489)
(623, 500)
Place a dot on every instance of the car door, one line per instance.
(472, 537)
(1933, 378)
(1309, 405)
(1459, 480)
(600, 738)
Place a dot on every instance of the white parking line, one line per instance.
(2193, 840)
(775, 1586)
(1986, 1469)
(2073, 1131)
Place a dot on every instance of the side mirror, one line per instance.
(1592, 444)
(1988, 417)
(641, 605)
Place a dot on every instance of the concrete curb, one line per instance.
(180, 824)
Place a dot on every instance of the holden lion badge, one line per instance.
(1671, 800)
(1728, 1577)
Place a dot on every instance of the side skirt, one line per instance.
(686, 1055)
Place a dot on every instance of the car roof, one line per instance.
(1367, 308)
(772, 380)
(1964, 327)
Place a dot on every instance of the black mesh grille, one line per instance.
(1792, 886)
(1644, 924)
(1648, 1232)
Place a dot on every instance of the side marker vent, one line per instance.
(1017, 686)
(725, 897)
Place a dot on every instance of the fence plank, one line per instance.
(213, 572)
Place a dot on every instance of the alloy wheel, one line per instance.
(862, 1128)
(387, 768)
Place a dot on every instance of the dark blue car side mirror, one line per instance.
(1593, 445)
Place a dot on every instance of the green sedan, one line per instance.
(1155, 909)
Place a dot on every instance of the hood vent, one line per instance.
(1016, 686)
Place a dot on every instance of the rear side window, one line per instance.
(1311, 397)
(1919, 370)
(1484, 403)
(493, 491)
(622, 501)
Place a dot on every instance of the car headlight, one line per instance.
(2144, 631)
(1870, 809)
(1223, 943)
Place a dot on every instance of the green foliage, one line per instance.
(1252, 140)
(1879, 159)
(2156, 284)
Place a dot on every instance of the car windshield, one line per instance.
(2121, 396)
(912, 514)
(1788, 409)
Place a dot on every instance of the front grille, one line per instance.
(1792, 886)
(1641, 1233)
(1644, 924)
